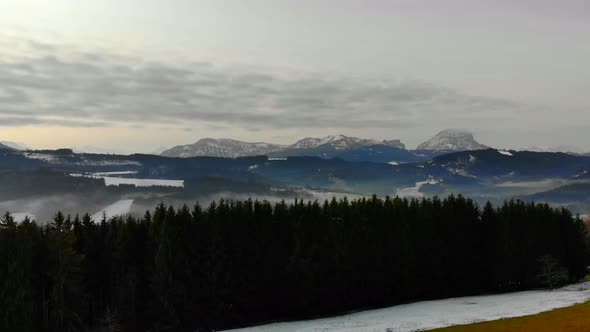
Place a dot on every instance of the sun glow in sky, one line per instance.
(134, 75)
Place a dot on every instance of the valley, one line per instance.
(319, 169)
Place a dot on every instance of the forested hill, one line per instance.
(239, 263)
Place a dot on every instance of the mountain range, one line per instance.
(488, 174)
(337, 146)
(224, 147)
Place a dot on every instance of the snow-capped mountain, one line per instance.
(341, 142)
(14, 145)
(311, 146)
(338, 142)
(6, 147)
(223, 147)
(452, 140)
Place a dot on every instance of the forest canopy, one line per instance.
(239, 263)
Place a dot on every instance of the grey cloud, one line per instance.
(26, 121)
(101, 89)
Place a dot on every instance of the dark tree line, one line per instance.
(239, 263)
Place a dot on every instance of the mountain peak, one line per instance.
(221, 147)
(452, 140)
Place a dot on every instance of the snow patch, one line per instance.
(117, 181)
(43, 157)
(441, 313)
(415, 191)
(114, 173)
(113, 181)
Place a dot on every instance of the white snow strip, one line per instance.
(113, 181)
(40, 156)
(119, 208)
(440, 313)
(414, 191)
(506, 153)
(116, 181)
(545, 184)
(114, 173)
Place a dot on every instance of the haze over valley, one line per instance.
(451, 162)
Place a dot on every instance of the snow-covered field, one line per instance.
(440, 313)
(119, 208)
(114, 173)
(116, 181)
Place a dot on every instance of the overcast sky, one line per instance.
(134, 75)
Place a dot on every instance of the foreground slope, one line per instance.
(574, 318)
(441, 313)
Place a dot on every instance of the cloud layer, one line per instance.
(53, 85)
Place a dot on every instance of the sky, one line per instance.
(137, 75)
